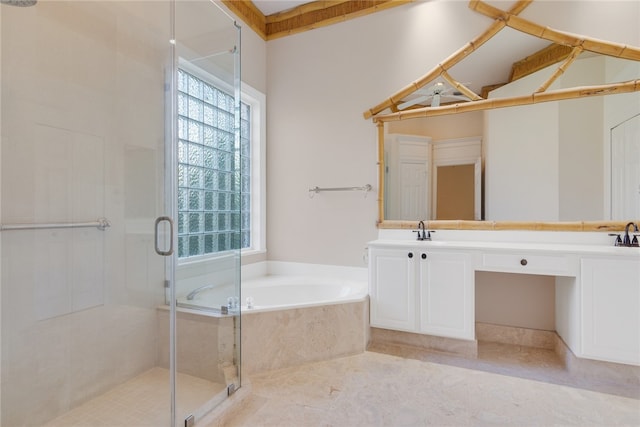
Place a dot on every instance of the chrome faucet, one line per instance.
(422, 233)
(627, 241)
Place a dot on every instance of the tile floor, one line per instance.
(141, 402)
(377, 389)
(523, 362)
(387, 386)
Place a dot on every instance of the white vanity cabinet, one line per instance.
(422, 290)
(428, 287)
(392, 288)
(446, 292)
(611, 309)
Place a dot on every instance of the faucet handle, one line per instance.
(634, 241)
(618, 241)
(419, 234)
(428, 236)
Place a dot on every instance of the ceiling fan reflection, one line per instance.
(433, 96)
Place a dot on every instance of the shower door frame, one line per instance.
(171, 191)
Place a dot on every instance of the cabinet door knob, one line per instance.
(523, 261)
(423, 256)
(410, 254)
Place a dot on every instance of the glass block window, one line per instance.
(214, 191)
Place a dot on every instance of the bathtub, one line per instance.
(279, 292)
(300, 313)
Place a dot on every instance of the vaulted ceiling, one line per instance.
(511, 54)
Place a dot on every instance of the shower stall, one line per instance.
(110, 112)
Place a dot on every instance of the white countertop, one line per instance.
(542, 242)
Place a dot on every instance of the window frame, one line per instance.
(257, 103)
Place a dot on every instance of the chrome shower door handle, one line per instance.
(159, 220)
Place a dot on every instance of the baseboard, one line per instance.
(487, 332)
(596, 370)
(467, 348)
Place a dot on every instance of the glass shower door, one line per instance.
(206, 294)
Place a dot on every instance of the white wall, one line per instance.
(253, 59)
(319, 84)
(519, 300)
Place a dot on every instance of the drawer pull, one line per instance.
(423, 256)
(410, 255)
(523, 261)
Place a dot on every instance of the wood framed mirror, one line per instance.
(557, 124)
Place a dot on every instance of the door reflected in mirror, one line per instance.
(432, 180)
(455, 192)
(625, 169)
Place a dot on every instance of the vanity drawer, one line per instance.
(526, 263)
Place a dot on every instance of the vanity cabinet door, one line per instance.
(611, 309)
(446, 287)
(392, 288)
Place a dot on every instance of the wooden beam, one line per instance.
(589, 44)
(301, 10)
(322, 13)
(305, 17)
(541, 59)
(561, 69)
(535, 98)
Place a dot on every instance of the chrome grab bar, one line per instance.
(315, 190)
(101, 224)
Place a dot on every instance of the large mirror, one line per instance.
(571, 160)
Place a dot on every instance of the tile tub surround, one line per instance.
(205, 346)
(274, 338)
(283, 338)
